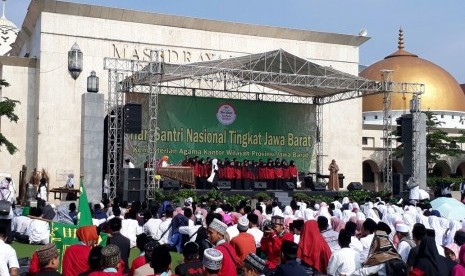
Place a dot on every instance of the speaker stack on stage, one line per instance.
(354, 186)
(318, 186)
(133, 118)
(170, 184)
(224, 185)
(259, 186)
(133, 185)
(289, 186)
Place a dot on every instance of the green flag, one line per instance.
(64, 235)
(84, 215)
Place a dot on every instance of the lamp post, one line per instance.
(92, 82)
(75, 61)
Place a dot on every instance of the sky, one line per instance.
(433, 30)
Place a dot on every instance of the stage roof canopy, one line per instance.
(277, 70)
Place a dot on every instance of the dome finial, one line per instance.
(401, 39)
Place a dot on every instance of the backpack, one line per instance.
(396, 267)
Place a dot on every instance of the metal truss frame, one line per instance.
(416, 113)
(387, 129)
(283, 78)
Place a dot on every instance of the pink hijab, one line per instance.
(337, 224)
(459, 269)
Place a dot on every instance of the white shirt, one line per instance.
(257, 235)
(106, 187)
(161, 229)
(70, 183)
(366, 243)
(129, 165)
(42, 193)
(330, 237)
(130, 229)
(38, 231)
(370, 270)
(8, 258)
(344, 261)
(190, 231)
(355, 244)
(20, 224)
(232, 231)
(296, 238)
(151, 227)
(403, 248)
(462, 187)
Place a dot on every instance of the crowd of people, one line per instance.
(243, 173)
(342, 237)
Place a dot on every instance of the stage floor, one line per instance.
(251, 193)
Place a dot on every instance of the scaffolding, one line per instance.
(386, 76)
(276, 76)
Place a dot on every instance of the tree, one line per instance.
(438, 142)
(7, 108)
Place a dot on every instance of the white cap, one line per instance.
(212, 259)
(243, 224)
(402, 228)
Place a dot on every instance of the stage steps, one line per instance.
(283, 198)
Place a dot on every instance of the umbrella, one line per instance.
(449, 208)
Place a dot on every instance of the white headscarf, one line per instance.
(308, 214)
(298, 215)
(346, 215)
(288, 212)
(438, 229)
(337, 213)
(214, 165)
(454, 226)
(372, 214)
(345, 200)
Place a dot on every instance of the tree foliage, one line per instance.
(7, 109)
(438, 141)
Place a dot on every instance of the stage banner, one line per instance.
(219, 128)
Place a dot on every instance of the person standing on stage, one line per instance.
(261, 171)
(229, 172)
(333, 184)
(278, 175)
(293, 172)
(246, 174)
(128, 164)
(195, 165)
(238, 175)
(286, 172)
(269, 171)
(186, 162)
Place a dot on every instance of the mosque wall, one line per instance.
(58, 96)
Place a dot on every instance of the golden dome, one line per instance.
(442, 91)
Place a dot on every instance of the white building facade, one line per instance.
(49, 127)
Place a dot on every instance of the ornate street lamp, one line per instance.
(75, 61)
(92, 82)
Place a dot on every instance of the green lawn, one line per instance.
(26, 250)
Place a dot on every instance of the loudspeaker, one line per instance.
(135, 195)
(257, 185)
(308, 181)
(170, 184)
(289, 186)
(318, 186)
(133, 118)
(132, 173)
(224, 185)
(354, 186)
